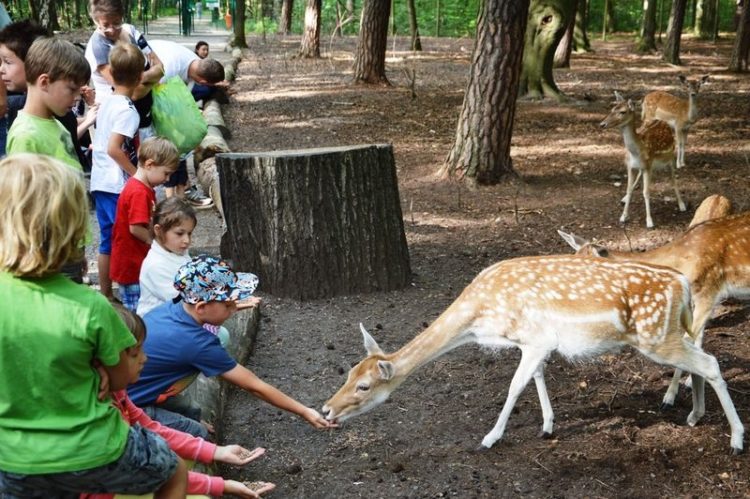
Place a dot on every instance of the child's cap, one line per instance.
(207, 278)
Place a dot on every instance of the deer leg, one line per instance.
(531, 361)
(635, 184)
(673, 174)
(646, 188)
(681, 136)
(548, 415)
(628, 193)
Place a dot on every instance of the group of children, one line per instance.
(72, 358)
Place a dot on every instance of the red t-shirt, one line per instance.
(134, 207)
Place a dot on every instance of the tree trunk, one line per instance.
(481, 151)
(647, 38)
(416, 42)
(674, 32)
(704, 19)
(310, 45)
(562, 53)
(285, 19)
(741, 49)
(546, 26)
(315, 223)
(238, 25)
(580, 36)
(369, 60)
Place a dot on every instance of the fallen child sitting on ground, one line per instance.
(179, 347)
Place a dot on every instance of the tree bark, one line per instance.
(481, 151)
(547, 21)
(580, 36)
(315, 223)
(369, 60)
(704, 19)
(565, 47)
(647, 38)
(48, 15)
(310, 45)
(741, 49)
(674, 32)
(238, 25)
(416, 42)
(285, 19)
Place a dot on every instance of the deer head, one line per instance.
(368, 385)
(621, 114)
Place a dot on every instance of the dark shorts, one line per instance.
(179, 176)
(146, 464)
(106, 207)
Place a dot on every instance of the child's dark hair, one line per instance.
(200, 44)
(170, 212)
(106, 8)
(18, 36)
(57, 58)
(132, 321)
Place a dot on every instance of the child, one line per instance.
(55, 71)
(57, 436)
(185, 445)
(131, 237)
(201, 49)
(117, 123)
(178, 346)
(172, 228)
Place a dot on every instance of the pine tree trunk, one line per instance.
(238, 25)
(704, 19)
(285, 19)
(310, 45)
(546, 26)
(565, 47)
(674, 32)
(741, 50)
(580, 36)
(481, 151)
(369, 59)
(647, 38)
(315, 223)
(416, 42)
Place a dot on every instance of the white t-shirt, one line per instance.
(97, 54)
(116, 115)
(157, 277)
(176, 59)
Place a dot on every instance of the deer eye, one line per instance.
(363, 387)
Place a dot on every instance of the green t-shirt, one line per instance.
(30, 133)
(50, 418)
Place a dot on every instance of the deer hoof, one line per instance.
(479, 449)
(545, 435)
(735, 451)
(664, 407)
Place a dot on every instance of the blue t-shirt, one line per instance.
(178, 348)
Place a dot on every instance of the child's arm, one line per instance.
(119, 374)
(118, 154)
(141, 233)
(247, 380)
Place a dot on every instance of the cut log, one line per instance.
(212, 115)
(315, 223)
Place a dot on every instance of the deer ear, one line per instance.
(618, 97)
(631, 106)
(370, 344)
(704, 79)
(601, 251)
(574, 241)
(386, 369)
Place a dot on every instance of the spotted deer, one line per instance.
(714, 256)
(646, 149)
(679, 113)
(577, 306)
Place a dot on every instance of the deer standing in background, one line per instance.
(649, 148)
(679, 113)
(715, 258)
(579, 307)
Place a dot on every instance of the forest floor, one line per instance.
(610, 438)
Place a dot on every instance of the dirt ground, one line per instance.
(610, 438)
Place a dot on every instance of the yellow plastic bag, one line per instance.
(176, 115)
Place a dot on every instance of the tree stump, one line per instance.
(315, 223)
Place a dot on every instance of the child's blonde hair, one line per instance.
(43, 215)
(126, 63)
(159, 150)
(57, 58)
(170, 212)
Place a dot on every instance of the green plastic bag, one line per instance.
(176, 115)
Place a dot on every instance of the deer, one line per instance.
(646, 149)
(679, 113)
(714, 256)
(577, 306)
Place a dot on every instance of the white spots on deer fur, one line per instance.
(572, 296)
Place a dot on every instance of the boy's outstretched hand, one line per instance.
(236, 454)
(251, 490)
(314, 418)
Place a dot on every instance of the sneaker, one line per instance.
(197, 199)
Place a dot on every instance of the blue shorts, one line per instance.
(106, 207)
(129, 295)
(145, 465)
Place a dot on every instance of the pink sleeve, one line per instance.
(199, 483)
(185, 445)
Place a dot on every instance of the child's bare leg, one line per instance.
(169, 191)
(176, 486)
(179, 190)
(105, 283)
